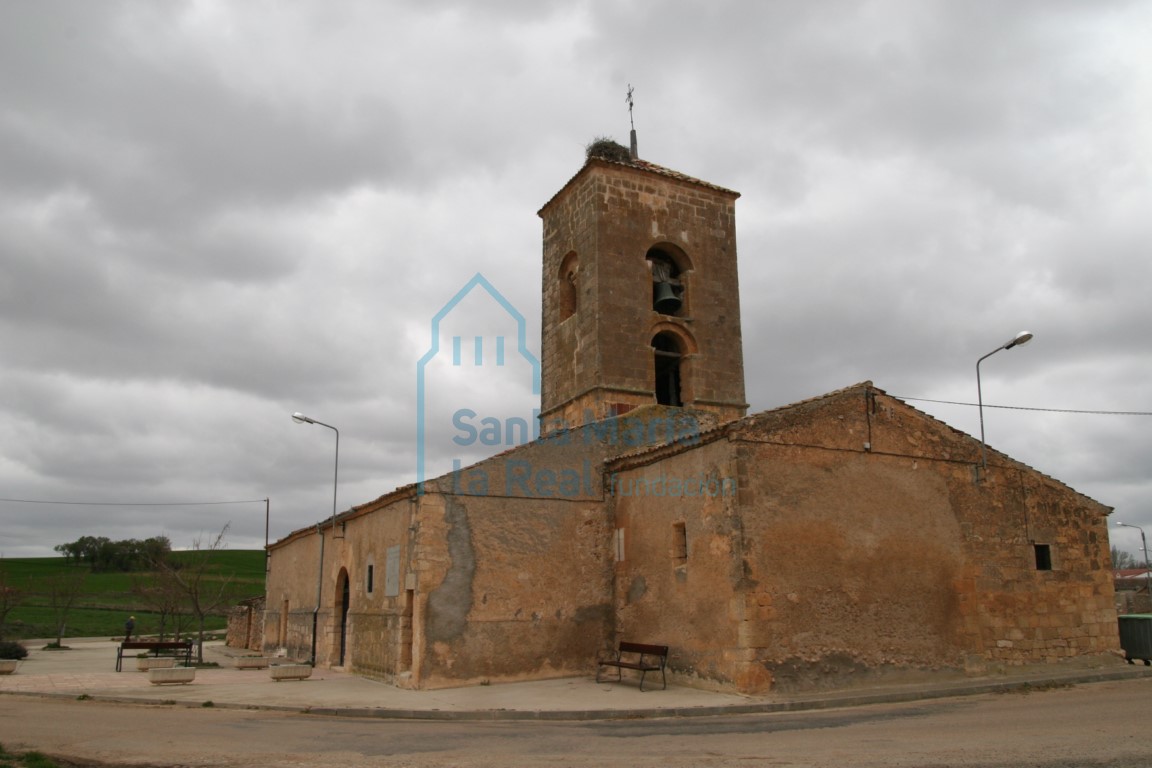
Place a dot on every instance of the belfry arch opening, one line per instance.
(668, 281)
(668, 356)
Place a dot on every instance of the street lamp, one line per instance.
(1021, 338)
(300, 418)
(1144, 542)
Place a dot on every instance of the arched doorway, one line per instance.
(343, 590)
(667, 353)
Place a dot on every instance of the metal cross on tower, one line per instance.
(628, 98)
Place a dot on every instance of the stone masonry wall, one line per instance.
(1020, 612)
(568, 343)
(679, 591)
(852, 568)
(368, 548)
(514, 560)
(858, 544)
(291, 595)
(246, 625)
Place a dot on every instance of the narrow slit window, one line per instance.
(569, 295)
(679, 543)
(371, 575)
(1043, 556)
(668, 355)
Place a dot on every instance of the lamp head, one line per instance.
(1021, 339)
(300, 418)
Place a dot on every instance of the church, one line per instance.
(844, 538)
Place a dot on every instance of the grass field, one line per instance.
(25, 760)
(106, 599)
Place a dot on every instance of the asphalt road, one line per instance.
(1101, 725)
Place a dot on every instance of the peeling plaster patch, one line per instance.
(637, 589)
(601, 613)
(450, 603)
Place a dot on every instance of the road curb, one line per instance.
(808, 703)
(812, 702)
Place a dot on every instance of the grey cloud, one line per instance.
(211, 217)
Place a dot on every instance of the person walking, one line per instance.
(128, 627)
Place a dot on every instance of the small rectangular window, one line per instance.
(371, 574)
(1043, 557)
(679, 543)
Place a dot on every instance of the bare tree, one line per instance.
(163, 597)
(11, 598)
(64, 589)
(201, 593)
(1122, 560)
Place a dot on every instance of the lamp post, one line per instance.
(267, 523)
(300, 418)
(1144, 544)
(1021, 338)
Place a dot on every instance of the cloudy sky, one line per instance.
(214, 214)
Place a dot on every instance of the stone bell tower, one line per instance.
(641, 299)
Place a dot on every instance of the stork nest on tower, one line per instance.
(607, 149)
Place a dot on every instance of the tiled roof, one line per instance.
(1005, 456)
(864, 386)
(671, 174)
(708, 435)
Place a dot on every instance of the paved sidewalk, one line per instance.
(87, 671)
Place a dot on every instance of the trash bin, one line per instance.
(1136, 637)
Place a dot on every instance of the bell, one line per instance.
(665, 300)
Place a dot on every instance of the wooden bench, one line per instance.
(641, 657)
(174, 648)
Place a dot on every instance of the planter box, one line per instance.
(250, 662)
(291, 672)
(173, 675)
(154, 662)
(8, 666)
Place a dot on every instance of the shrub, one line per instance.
(11, 650)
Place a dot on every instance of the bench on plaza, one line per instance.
(175, 648)
(639, 657)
